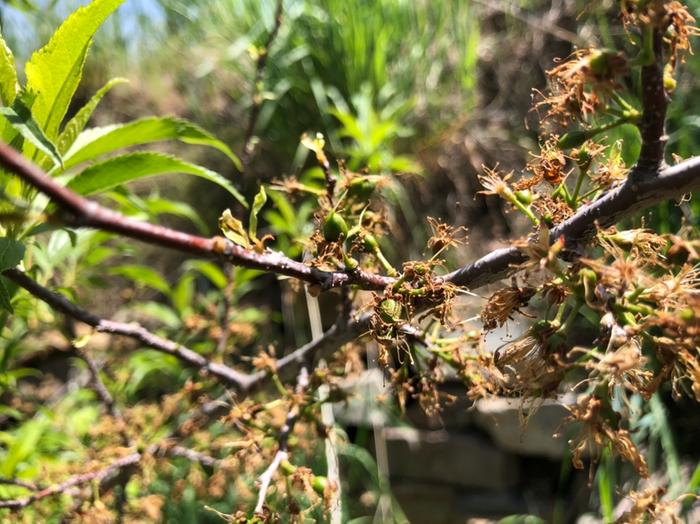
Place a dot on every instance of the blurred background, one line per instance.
(427, 92)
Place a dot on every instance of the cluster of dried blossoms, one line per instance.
(634, 293)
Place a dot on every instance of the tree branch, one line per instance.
(74, 481)
(283, 440)
(227, 375)
(104, 474)
(286, 367)
(81, 212)
(641, 190)
(654, 103)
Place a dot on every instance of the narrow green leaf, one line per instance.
(20, 118)
(142, 276)
(8, 74)
(134, 166)
(11, 253)
(258, 204)
(54, 71)
(182, 296)
(160, 312)
(209, 270)
(99, 141)
(76, 124)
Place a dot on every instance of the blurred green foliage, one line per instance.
(368, 74)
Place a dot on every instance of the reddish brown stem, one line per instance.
(81, 212)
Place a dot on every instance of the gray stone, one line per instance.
(462, 460)
(501, 418)
(364, 406)
(425, 503)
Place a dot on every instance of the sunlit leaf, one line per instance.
(210, 270)
(20, 118)
(98, 141)
(8, 75)
(76, 124)
(258, 204)
(54, 72)
(126, 168)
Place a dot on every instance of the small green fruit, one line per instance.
(370, 243)
(525, 197)
(319, 483)
(687, 315)
(589, 275)
(334, 227)
(361, 188)
(600, 61)
(390, 311)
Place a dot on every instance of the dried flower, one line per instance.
(503, 303)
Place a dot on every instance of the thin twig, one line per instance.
(327, 416)
(20, 483)
(226, 374)
(98, 385)
(642, 189)
(283, 440)
(654, 103)
(103, 474)
(74, 481)
(256, 95)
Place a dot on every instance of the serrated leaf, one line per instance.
(76, 124)
(258, 204)
(8, 74)
(55, 70)
(11, 253)
(20, 118)
(126, 168)
(233, 229)
(99, 141)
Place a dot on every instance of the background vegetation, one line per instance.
(423, 93)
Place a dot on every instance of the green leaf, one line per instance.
(233, 229)
(76, 124)
(8, 74)
(258, 204)
(183, 294)
(143, 276)
(134, 166)
(20, 117)
(11, 253)
(160, 312)
(98, 141)
(210, 270)
(54, 71)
